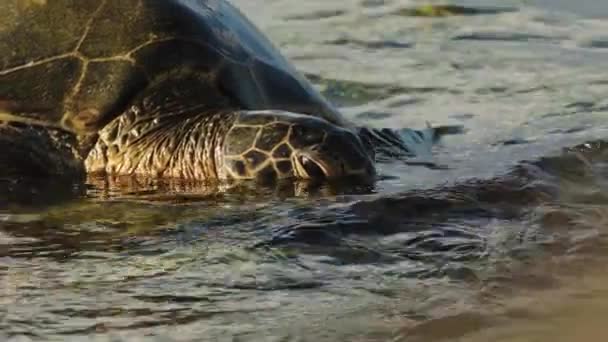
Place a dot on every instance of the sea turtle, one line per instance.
(174, 88)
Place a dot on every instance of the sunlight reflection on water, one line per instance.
(430, 254)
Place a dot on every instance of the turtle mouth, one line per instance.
(308, 168)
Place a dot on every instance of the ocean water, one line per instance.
(505, 243)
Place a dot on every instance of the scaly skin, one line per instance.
(241, 145)
(189, 148)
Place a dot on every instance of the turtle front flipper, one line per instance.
(413, 145)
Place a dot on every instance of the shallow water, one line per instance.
(508, 242)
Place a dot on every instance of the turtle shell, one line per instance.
(78, 64)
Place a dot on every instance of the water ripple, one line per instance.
(521, 202)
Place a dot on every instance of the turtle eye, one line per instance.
(313, 170)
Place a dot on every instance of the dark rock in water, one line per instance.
(372, 44)
(450, 10)
(514, 141)
(317, 15)
(374, 115)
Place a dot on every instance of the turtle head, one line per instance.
(271, 145)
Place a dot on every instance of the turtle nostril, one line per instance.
(313, 169)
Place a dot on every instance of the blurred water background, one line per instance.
(506, 243)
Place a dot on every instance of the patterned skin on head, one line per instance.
(274, 145)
